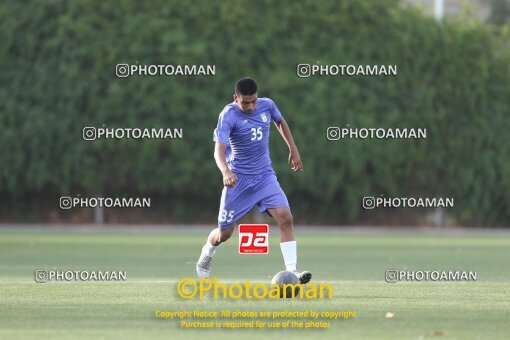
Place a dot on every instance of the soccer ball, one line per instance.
(286, 277)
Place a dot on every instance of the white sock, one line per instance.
(209, 249)
(289, 251)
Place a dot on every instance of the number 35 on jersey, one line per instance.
(256, 133)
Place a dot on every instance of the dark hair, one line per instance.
(246, 87)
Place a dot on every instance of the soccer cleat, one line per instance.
(204, 265)
(304, 277)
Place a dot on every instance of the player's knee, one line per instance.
(286, 221)
(225, 234)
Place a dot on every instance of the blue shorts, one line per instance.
(262, 190)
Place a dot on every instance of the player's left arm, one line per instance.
(294, 157)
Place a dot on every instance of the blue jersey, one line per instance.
(247, 136)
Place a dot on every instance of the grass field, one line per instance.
(353, 262)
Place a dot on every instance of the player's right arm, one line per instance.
(229, 178)
(221, 137)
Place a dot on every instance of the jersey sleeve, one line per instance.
(276, 115)
(223, 129)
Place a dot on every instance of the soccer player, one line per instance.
(242, 155)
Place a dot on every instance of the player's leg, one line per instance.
(285, 221)
(216, 237)
(220, 235)
(235, 202)
(275, 203)
(288, 244)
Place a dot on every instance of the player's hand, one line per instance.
(295, 160)
(229, 178)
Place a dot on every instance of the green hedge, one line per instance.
(58, 75)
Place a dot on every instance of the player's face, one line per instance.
(247, 104)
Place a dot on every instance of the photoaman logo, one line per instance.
(253, 239)
(188, 288)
